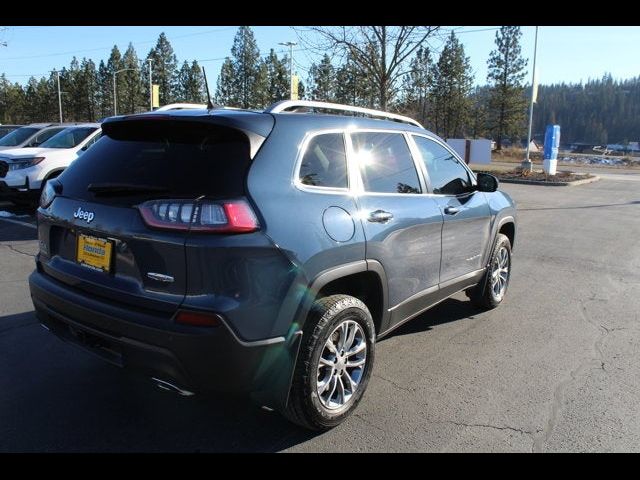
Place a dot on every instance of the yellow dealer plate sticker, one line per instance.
(94, 253)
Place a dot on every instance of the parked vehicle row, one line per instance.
(35, 153)
(29, 154)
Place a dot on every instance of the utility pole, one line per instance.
(526, 164)
(59, 96)
(150, 88)
(290, 45)
(115, 98)
(115, 101)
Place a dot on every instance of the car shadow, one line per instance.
(450, 310)
(57, 397)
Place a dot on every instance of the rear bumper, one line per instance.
(192, 358)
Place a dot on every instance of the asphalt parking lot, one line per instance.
(555, 368)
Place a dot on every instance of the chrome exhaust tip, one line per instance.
(164, 385)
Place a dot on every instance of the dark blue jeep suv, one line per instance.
(264, 253)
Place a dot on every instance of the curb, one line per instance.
(595, 178)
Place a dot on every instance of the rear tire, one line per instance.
(334, 364)
(491, 290)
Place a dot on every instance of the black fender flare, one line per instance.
(278, 395)
(497, 226)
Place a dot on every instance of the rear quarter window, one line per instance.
(324, 162)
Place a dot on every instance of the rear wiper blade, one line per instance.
(124, 188)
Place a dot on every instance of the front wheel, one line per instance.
(334, 364)
(491, 290)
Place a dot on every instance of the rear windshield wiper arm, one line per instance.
(123, 188)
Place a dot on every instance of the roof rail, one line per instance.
(286, 105)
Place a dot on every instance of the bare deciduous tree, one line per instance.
(380, 51)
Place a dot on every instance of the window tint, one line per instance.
(69, 137)
(17, 136)
(324, 163)
(448, 176)
(385, 163)
(187, 159)
(92, 141)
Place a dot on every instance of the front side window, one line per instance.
(385, 163)
(17, 136)
(447, 174)
(324, 163)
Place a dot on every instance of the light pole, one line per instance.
(150, 88)
(290, 45)
(59, 96)
(526, 164)
(115, 101)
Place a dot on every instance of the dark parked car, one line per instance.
(6, 129)
(264, 252)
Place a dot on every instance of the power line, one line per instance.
(145, 42)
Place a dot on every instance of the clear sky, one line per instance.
(568, 54)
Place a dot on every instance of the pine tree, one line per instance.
(246, 65)
(416, 86)
(477, 126)
(104, 95)
(132, 98)
(40, 101)
(164, 64)
(190, 83)
(276, 78)
(353, 86)
(12, 102)
(225, 89)
(89, 78)
(450, 94)
(113, 65)
(508, 104)
(322, 80)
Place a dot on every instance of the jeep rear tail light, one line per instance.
(226, 216)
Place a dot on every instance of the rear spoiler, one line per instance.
(255, 126)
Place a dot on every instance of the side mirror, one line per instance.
(487, 182)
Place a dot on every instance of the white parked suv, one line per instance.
(32, 135)
(24, 171)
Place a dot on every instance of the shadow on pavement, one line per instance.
(57, 397)
(450, 310)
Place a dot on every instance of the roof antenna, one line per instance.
(210, 105)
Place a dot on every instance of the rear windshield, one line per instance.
(179, 159)
(69, 137)
(17, 136)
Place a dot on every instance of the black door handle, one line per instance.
(451, 210)
(380, 216)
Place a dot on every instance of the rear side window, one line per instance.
(385, 163)
(69, 137)
(42, 137)
(324, 163)
(174, 159)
